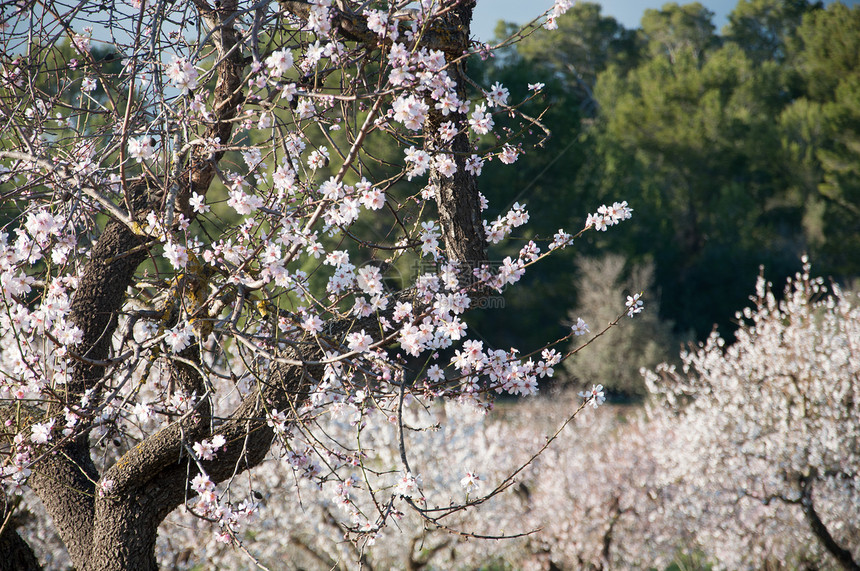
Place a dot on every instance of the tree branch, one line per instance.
(843, 556)
(152, 479)
(443, 34)
(164, 448)
(65, 481)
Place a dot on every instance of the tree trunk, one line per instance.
(109, 521)
(843, 556)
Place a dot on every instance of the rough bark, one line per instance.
(65, 480)
(118, 530)
(457, 196)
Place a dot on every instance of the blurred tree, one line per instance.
(840, 188)
(738, 150)
(761, 27)
(826, 131)
(827, 49)
(688, 138)
(646, 341)
(675, 29)
(588, 43)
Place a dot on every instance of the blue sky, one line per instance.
(627, 12)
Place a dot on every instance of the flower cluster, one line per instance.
(182, 74)
(207, 448)
(558, 9)
(595, 396)
(280, 62)
(634, 304)
(229, 518)
(142, 148)
(609, 216)
(502, 226)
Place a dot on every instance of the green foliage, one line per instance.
(762, 27)
(584, 44)
(695, 561)
(675, 29)
(687, 138)
(735, 151)
(826, 125)
(827, 49)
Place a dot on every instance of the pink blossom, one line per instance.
(198, 203)
(201, 483)
(408, 485)
(498, 95)
(634, 304)
(481, 122)
(372, 198)
(176, 254)
(312, 324)
(358, 341)
(429, 238)
(305, 109)
(141, 149)
(595, 396)
(68, 333)
(509, 155)
(447, 130)
(242, 202)
(418, 162)
(279, 62)
(179, 338)
(411, 111)
(182, 74)
(106, 487)
(471, 482)
(445, 164)
(474, 165)
(206, 449)
(41, 432)
(560, 240)
(580, 327)
(369, 280)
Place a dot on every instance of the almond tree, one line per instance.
(761, 443)
(200, 244)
